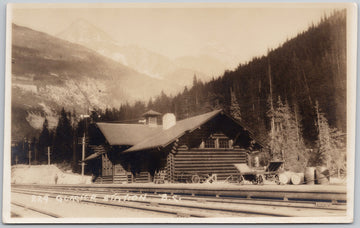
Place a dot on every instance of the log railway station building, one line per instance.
(162, 149)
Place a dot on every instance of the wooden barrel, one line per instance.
(297, 178)
(322, 175)
(310, 175)
(284, 178)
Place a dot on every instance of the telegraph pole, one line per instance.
(87, 115)
(83, 155)
(29, 157)
(48, 154)
(29, 150)
(83, 143)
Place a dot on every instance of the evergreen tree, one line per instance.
(63, 141)
(122, 112)
(95, 115)
(139, 109)
(195, 81)
(337, 156)
(194, 93)
(234, 107)
(324, 139)
(184, 107)
(274, 152)
(294, 148)
(44, 141)
(34, 151)
(331, 145)
(287, 144)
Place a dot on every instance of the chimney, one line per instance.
(168, 120)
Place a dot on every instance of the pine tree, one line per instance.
(294, 148)
(63, 138)
(139, 109)
(185, 104)
(44, 141)
(275, 151)
(337, 156)
(234, 106)
(150, 104)
(286, 142)
(195, 95)
(331, 145)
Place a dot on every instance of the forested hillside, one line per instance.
(308, 68)
(49, 73)
(307, 76)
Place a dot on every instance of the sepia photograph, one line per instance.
(180, 113)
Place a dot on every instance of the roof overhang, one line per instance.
(166, 137)
(170, 135)
(92, 156)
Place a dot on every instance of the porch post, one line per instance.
(170, 167)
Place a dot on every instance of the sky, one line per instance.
(233, 35)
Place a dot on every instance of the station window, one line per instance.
(223, 143)
(210, 143)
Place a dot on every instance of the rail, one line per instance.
(285, 192)
(201, 201)
(53, 215)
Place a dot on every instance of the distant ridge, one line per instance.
(49, 73)
(179, 71)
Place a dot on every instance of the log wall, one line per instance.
(207, 161)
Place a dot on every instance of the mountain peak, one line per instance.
(84, 32)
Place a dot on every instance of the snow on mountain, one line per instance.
(50, 73)
(86, 68)
(142, 60)
(147, 62)
(83, 32)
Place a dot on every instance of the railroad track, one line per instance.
(335, 194)
(188, 204)
(36, 210)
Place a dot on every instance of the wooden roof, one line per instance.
(127, 134)
(151, 113)
(143, 137)
(165, 137)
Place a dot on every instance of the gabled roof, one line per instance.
(143, 137)
(151, 113)
(164, 137)
(127, 134)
